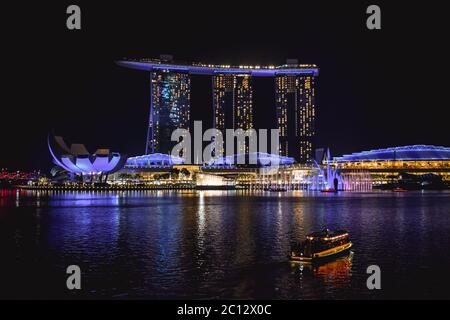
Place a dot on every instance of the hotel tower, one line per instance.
(295, 107)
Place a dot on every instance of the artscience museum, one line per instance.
(77, 160)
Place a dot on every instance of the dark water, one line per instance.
(215, 244)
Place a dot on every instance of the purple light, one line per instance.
(203, 70)
(92, 164)
(70, 165)
(55, 159)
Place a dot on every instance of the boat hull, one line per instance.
(323, 255)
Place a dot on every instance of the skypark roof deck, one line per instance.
(204, 69)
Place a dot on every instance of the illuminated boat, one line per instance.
(330, 190)
(321, 245)
(399, 189)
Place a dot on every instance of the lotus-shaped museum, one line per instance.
(78, 160)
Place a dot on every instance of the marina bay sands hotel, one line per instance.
(233, 108)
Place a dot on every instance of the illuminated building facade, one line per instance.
(387, 166)
(169, 109)
(295, 106)
(243, 109)
(232, 101)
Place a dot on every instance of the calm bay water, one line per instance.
(218, 244)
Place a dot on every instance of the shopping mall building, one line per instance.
(420, 165)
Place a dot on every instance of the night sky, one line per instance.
(376, 89)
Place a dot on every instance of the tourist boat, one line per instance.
(330, 190)
(399, 189)
(321, 245)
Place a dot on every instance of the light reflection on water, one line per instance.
(220, 244)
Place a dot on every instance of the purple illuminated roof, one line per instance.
(153, 160)
(257, 71)
(259, 158)
(415, 152)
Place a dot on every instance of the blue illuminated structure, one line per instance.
(261, 159)
(256, 71)
(406, 153)
(160, 160)
(78, 160)
(154, 160)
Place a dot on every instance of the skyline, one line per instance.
(372, 91)
(310, 157)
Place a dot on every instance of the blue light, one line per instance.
(165, 91)
(153, 160)
(261, 159)
(90, 164)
